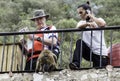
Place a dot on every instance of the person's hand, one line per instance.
(91, 24)
(91, 16)
(39, 39)
(23, 41)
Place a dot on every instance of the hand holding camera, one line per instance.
(88, 17)
(91, 24)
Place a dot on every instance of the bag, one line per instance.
(55, 49)
(114, 56)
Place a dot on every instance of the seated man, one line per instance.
(91, 47)
(41, 41)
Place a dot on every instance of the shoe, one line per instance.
(73, 66)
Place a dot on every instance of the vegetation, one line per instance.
(15, 14)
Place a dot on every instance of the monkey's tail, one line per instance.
(55, 58)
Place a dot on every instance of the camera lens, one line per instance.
(87, 18)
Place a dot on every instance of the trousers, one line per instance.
(81, 47)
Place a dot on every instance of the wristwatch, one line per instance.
(39, 39)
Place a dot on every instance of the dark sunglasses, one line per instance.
(80, 12)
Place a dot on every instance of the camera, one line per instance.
(87, 18)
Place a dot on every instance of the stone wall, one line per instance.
(66, 75)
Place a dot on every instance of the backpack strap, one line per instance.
(48, 27)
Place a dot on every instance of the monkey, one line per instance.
(46, 62)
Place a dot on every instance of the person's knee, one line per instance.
(78, 41)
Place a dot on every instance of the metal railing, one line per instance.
(13, 59)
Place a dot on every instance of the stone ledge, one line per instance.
(66, 75)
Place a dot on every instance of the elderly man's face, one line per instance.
(40, 22)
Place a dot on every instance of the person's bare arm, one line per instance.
(99, 22)
(46, 41)
(49, 41)
(84, 25)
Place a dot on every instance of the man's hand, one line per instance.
(39, 39)
(91, 24)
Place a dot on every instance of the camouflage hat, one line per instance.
(38, 14)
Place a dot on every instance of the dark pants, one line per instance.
(85, 51)
(28, 64)
(34, 60)
(31, 62)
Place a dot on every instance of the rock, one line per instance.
(109, 68)
(66, 75)
(4, 77)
